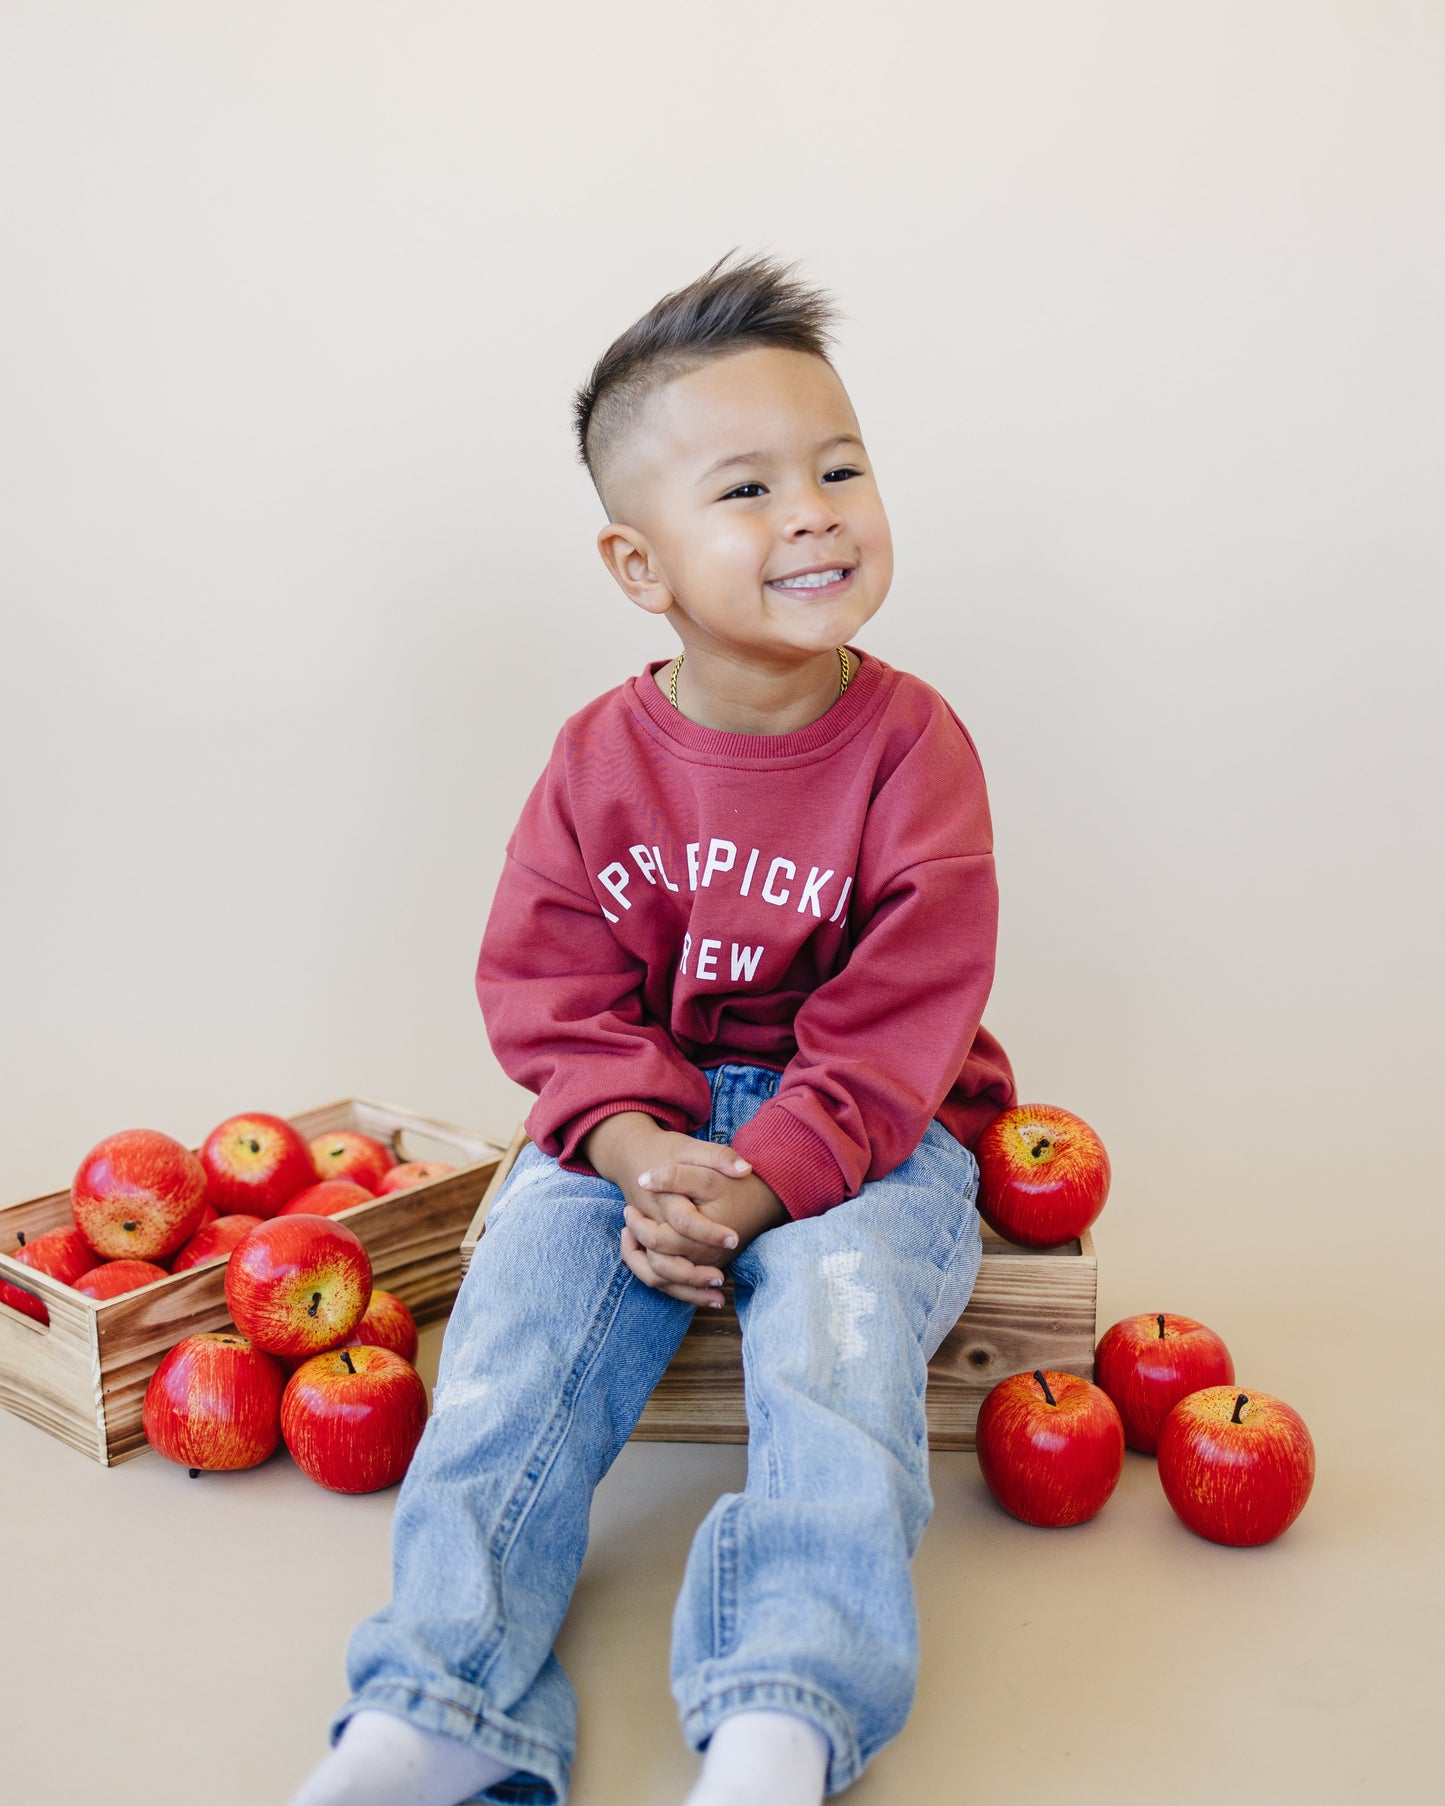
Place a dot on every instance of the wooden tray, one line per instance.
(83, 1375)
(1031, 1307)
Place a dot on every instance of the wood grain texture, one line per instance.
(83, 1376)
(1031, 1307)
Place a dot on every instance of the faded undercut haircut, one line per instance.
(723, 311)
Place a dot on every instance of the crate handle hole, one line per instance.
(24, 1317)
(410, 1144)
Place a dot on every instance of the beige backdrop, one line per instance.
(1142, 322)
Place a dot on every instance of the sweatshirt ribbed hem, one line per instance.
(787, 1155)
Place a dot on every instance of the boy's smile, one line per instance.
(743, 473)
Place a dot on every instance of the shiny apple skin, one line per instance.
(145, 1178)
(388, 1323)
(254, 1162)
(298, 1284)
(214, 1241)
(1050, 1465)
(326, 1198)
(214, 1402)
(63, 1254)
(348, 1154)
(1147, 1374)
(354, 1432)
(1241, 1484)
(112, 1278)
(411, 1172)
(1043, 1175)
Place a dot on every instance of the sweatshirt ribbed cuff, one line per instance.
(576, 1131)
(787, 1155)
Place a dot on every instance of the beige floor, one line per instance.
(171, 1641)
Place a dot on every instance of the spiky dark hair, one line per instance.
(723, 311)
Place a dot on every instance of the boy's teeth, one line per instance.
(815, 580)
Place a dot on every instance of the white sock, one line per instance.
(383, 1760)
(763, 1758)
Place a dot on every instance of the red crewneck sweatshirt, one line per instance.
(822, 903)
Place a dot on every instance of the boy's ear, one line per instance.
(628, 557)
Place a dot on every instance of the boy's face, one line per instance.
(706, 546)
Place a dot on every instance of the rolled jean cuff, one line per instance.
(766, 1691)
(465, 1714)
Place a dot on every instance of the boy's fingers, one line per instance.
(720, 1155)
(703, 1156)
(715, 1154)
(675, 1265)
(662, 1238)
(641, 1264)
(678, 1210)
(685, 1217)
(677, 1270)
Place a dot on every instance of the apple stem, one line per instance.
(130, 1225)
(1161, 1323)
(1243, 1399)
(1039, 1376)
(20, 1237)
(346, 1356)
(315, 1302)
(1039, 1147)
(194, 1471)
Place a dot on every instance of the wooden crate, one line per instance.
(83, 1375)
(1031, 1307)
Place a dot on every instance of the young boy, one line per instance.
(740, 950)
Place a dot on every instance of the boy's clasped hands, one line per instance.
(691, 1205)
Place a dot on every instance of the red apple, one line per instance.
(387, 1324)
(352, 1418)
(1043, 1175)
(1236, 1466)
(138, 1195)
(214, 1403)
(1147, 1364)
(112, 1277)
(1050, 1447)
(326, 1198)
(411, 1172)
(62, 1253)
(298, 1284)
(347, 1154)
(214, 1240)
(254, 1163)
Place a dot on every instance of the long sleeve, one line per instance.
(881, 1043)
(562, 999)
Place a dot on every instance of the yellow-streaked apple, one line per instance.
(298, 1284)
(254, 1162)
(138, 1194)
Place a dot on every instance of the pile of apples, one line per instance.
(319, 1358)
(1236, 1466)
(145, 1206)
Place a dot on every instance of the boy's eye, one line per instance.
(843, 470)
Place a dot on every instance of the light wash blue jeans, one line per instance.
(797, 1592)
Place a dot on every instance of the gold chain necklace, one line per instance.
(677, 666)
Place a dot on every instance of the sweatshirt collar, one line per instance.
(835, 723)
